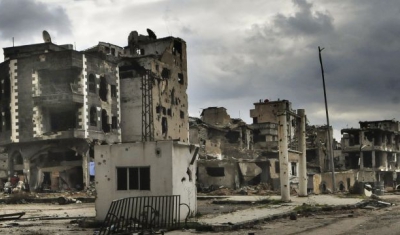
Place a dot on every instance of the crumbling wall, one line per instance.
(167, 73)
(215, 116)
(216, 173)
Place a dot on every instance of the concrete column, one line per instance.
(384, 160)
(85, 169)
(27, 170)
(283, 154)
(10, 166)
(373, 160)
(302, 148)
(361, 160)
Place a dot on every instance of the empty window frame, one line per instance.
(293, 168)
(133, 178)
(93, 116)
(7, 88)
(104, 121)
(7, 119)
(277, 167)
(215, 171)
(103, 91)
(113, 91)
(114, 122)
(92, 83)
(165, 74)
(180, 79)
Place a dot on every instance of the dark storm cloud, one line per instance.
(24, 19)
(304, 21)
(279, 59)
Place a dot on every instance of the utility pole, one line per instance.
(330, 151)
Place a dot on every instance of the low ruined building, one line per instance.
(317, 148)
(373, 150)
(265, 120)
(56, 104)
(232, 138)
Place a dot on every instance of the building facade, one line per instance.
(56, 103)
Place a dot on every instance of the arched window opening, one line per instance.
(92, 83)
(17, 158)
(103, 89)
(93, 116)
(104, 120)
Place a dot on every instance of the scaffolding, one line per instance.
(147, 107)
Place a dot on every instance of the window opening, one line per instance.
(294, 168)
(103, 89)
(92, 83)
(113, 91)
(164, 125)
(7, 88)
(182, 114)
(180, 78)
(114, 122)
(277, 167)
(165, 74)
(7, 117)
(215, 171)
(133, 178)
(93, 116)
(62, 120)
(104, 121)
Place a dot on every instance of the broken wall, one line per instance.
(215, 116)
(216, 173)
(168, 79)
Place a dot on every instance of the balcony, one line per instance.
(58, 94)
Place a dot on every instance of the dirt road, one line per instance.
(46, 219)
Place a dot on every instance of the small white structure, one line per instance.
(156, 168)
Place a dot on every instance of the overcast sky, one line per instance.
(241, 51)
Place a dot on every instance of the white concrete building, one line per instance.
(145, 169)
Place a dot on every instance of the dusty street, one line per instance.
(46, 218)
(49, 219)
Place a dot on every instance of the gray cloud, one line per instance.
(24, 19)
(279, 59)
(304, 21)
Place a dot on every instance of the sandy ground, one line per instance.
(46, 219)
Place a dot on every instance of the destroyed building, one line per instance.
(259, 162)
(265, 130)
(372, 151)
(219, 135)
(56, 103)
(155, 157)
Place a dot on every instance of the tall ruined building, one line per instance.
(58, 103)
(153, 77)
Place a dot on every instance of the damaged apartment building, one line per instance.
(155, 157)
(121, 109)
(372, 152)
(258, 162)
(224, 142)
(56, 103)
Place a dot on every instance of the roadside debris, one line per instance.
(12, 216)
